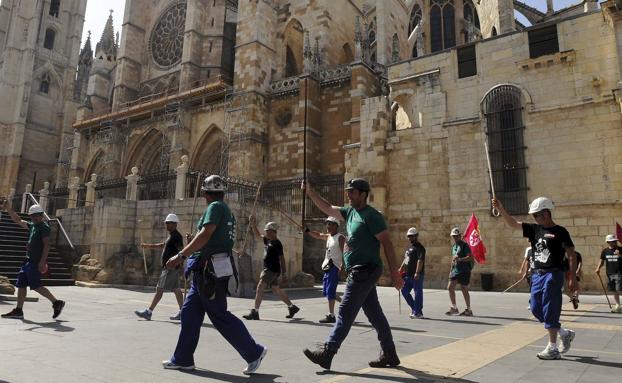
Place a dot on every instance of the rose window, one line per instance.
(167, 38)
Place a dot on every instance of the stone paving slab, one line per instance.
(99, 339)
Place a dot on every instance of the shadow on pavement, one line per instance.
(330, 325)
(462, 321)
(56, 325)
(414, 374)
(222, 377)
(592, 360)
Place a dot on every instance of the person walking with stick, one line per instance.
(549, 243)
(413, 268)
(461, 265)
(366, 231)
(612, 258)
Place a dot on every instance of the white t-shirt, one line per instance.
(333, 251)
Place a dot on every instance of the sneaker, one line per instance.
(293, 309)
(575, 303)
(176, 316)
(169, 365)
(419, 316)
(549, 354)
(466, 313)
(322, 356)
(564, 342)
(254, 365)
(412, 315)
(145, 314)
(253, 315)
(528, 308)
(617, 309)
(386, 359)
(16, 313)
(452, 311)
(58, 308)
(330, 318)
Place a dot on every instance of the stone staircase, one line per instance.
(13, 239)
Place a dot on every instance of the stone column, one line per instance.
(180, 183)
(43, 195)
(25, 198)
(131, 193)
(74, 185)
(90, 190)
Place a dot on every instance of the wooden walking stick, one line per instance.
(495, 212)
(513, 285)
(251, 215)
(143, 249)
(604, 291)
(194, 205)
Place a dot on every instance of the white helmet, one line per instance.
(214, 183)
(271, 226)
(611, 238)
(539, 204)
(171, 218)
(333, 220)
(35, 209)
(412, 231)
(454, 231)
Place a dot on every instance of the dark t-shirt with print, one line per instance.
(548, 244)
(415, 253)
(460, 250)
(173, 245)
(273, 250)
(613, 260)
(34, 247)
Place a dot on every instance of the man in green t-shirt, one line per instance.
(461, 263)
(208, 292)
(366, 231)
(37, 251)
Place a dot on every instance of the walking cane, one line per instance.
(194, 205)
(604, 291)
(399, 301)
(514, 285)
(143, 249)
(495, 212)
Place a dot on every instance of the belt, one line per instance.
(545, 271)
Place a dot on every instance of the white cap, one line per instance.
(333, 220)
(455, 231)
(35, 209)
(412, 231)
(172, 218)
(611, 238)
(214, 183)
(271, 226)
(539, 204)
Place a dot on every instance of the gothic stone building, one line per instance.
(400, 92)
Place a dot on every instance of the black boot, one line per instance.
(386, 359)
(322, 356)
(293, 309)
(253, 315)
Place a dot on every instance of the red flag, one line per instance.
(618, 231)
(474, 240)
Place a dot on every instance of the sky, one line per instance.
(97, 12)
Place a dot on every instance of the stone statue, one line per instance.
(472, 32)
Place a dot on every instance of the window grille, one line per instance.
(543, 41)
(467, 61)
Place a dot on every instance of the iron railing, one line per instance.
(158, 185)
(112, 188)
(57, 199)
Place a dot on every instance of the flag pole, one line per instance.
(494, 212)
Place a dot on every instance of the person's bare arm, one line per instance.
(342, 242)
(318, 235)
(282, 263)
(197, 243)
(600, 265)
(6, 206)
(321, 203)
(523, 267)
(153, 245)
(389, 251)
(579, 267)
(572, 264)
(509, 220)
(44, 253)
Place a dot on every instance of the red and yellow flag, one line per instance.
(473, 238)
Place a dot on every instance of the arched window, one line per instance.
(494, 31)
(55, 8)
(293, 42)
(442, 24)
(44, 84)
(503, 110)
(470, 13)
(48, 42)
(415, 17)
(292, 68)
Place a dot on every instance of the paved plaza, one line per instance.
(99, 339)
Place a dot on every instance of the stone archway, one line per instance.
(210, 155)
(293, 37)
(150, 153)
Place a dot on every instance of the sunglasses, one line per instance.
(538, 214)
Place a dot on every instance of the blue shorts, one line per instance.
(546, 297)
(29, 275)
(330, 282)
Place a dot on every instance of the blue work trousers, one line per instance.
(415, 285)
(546, 297)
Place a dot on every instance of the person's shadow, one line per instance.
(56, 325)
(414, 375)
(593, 361)
(223, 377)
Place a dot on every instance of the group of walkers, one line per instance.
(209, 264)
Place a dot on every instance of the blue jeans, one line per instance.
(416, 285)
(546, 297)
(359, 295)
(229, 326)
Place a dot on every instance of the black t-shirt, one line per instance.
(613, 260)
(416, 252)
(548, 244)
(173, 245)
(273, 249)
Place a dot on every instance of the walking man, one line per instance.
(331, 265)
(37, 251)
(413, 269)
(366, 231)
(461, 264)
(549, 243)
(169, 279)
(612, 258)
(273, 267)
(211, 266)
